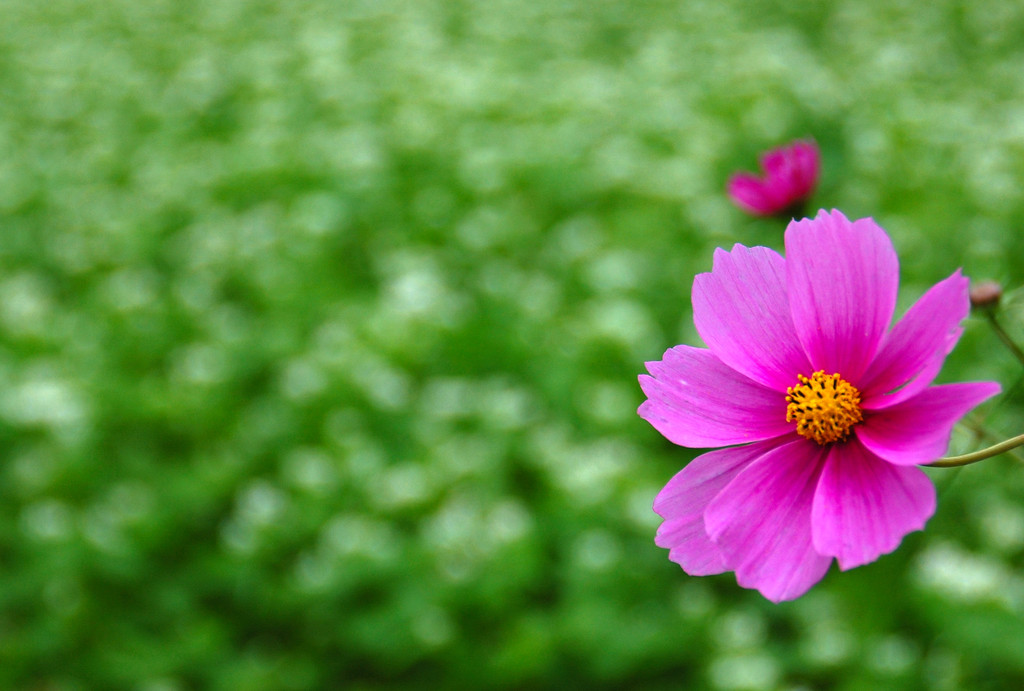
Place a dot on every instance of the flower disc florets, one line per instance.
(825, 407)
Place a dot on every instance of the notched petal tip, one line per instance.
(761, 521)
(842, 280)
(741, 311)
(695, 400)
(683, 501)
(864, 507)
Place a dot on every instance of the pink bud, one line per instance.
(790, 177)
(986, 294)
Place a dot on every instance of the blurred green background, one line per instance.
(320, 325)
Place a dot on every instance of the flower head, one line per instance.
(790, 176)
(824, 411)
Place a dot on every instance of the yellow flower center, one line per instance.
(825, 407)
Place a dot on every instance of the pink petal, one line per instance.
(920, 382)
(864, 506)
(689, 546)
(791, 172)
(761, 522)
(749, 193)
(918, 430)
(695, 400)
(790, 175)
(807, 163)
(842, 279)
(779, 168)
(925, 334)
(683, 500)
(741, 310)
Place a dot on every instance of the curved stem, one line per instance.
(982, 434)
(1004, 337)
(968, 458)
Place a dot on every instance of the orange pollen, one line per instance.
(825, 407)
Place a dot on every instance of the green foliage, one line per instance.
(320, 323)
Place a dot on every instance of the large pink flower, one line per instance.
(824, 410)
(790, 176)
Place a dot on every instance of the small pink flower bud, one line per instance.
(790, 177)
(986, 294)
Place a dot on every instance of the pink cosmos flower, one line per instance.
(790, 176)
(824, 411)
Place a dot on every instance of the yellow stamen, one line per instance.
(825, 407)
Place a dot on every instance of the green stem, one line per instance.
(982, 434)
(1004, 337)
(968, 458)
